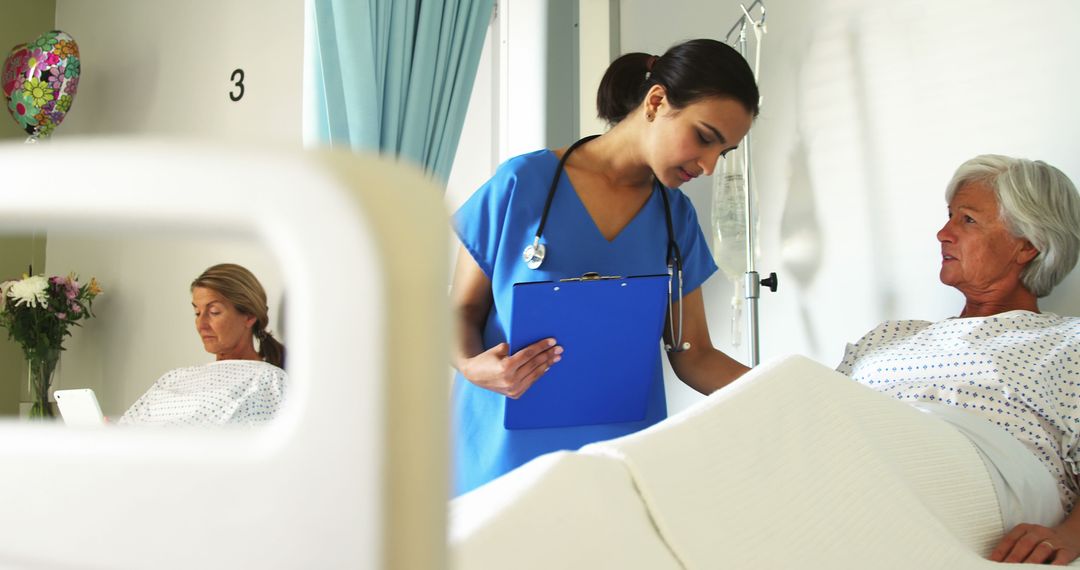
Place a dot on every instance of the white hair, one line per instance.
(1037, 202)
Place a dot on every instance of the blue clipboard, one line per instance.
(610, 331)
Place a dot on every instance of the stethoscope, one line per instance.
(535, 253)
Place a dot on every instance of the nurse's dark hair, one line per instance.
(689, 71)
(240, 287)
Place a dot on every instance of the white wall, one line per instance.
(538, 83)
(164, 69)
(868, 108)
(598, 43)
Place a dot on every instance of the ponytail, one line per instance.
(689, 71)
(271, 351)
(623, 86)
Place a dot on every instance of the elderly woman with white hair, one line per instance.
(1003, 373)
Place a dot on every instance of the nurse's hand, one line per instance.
(511, 376)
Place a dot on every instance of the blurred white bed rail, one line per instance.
(352, 474)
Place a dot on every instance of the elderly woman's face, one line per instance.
(225, 331)
(978, 254)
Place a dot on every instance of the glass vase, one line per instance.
(42, 367)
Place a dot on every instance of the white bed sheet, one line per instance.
(561, 510)
(794, 465)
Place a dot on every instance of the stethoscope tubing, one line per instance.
(534, 254)
(555, 183)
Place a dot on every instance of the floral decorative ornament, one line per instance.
(10, 80)
(38, 91)
(36, 76)
(63, 103)
(46, 41)
(67, 48)
(23, 110)
(56, 79)
(47, 127)
(72, 69)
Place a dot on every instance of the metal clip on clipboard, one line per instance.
(590, 276)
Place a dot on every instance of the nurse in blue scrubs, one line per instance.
(672, 118)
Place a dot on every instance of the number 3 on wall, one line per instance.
(237, 78)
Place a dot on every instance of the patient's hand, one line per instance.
(511, 376)
(1038, 544)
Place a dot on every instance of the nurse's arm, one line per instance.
(470, 301)
(702, 367)
(493, 369)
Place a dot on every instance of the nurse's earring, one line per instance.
(649, 117)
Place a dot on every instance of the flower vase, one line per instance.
(42, 367)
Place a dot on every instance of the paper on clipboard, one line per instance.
(610, 330)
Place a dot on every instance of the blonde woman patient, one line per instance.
(245, 383)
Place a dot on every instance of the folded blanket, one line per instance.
(796, 465)
(561, 510)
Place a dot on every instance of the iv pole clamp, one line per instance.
(752, 282)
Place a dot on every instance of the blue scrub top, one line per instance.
(495, 225)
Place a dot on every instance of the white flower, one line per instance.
(30, 291)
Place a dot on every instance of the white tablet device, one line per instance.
(79, 407)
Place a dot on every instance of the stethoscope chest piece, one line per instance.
(534, 254)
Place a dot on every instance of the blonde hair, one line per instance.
(240, 287)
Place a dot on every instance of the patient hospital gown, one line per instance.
(495, 226)
(222, 392)
(1019, 370)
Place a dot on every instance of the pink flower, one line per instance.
(61, 316)
(56, 79)
(36, 62)
(68, 286)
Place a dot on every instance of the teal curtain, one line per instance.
(393, 76)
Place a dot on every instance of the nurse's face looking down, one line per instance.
(681, 144)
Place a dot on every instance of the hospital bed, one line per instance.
(353, 473)
(792, 466)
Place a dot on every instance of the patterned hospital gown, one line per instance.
(222, 392)
(1019, 370)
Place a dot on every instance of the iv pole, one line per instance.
(752, 282)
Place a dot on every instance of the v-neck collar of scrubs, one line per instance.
(566, 184)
